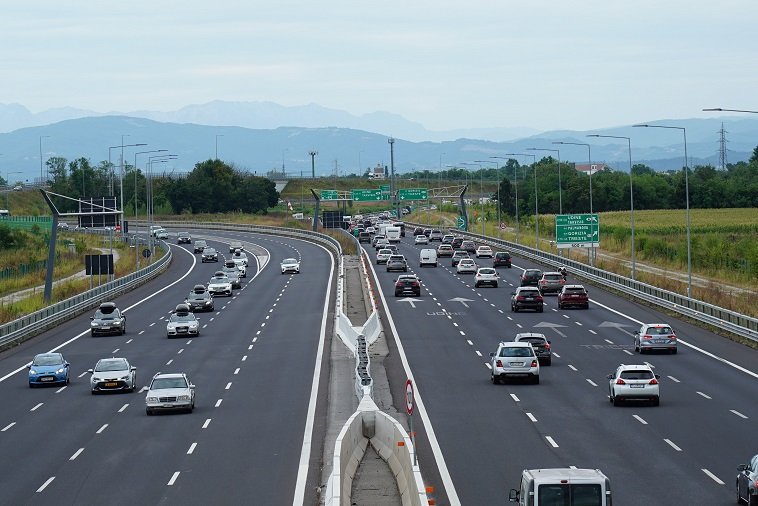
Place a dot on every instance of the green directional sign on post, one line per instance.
(366, 195)
(412, 194)
(461, 223)
(385, 188)
(577, 231)
(329, 195)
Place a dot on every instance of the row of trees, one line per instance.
(212, 186)
(709, 188)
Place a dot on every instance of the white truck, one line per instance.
(392, 234)
(566, 486)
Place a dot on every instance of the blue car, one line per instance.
(48, 368)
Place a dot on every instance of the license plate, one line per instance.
(46, 379)
(167, 406)
(659, 341)
(636, 386)
(529, 298)
(518, 364)
(111, 384)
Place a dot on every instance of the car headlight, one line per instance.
(124, 378)
(151, 399)
(207, 302)
(32, 371)
(60, 371)
(94, 324)
(117, 322)
(183, 397)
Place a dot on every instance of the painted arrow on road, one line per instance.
(618, 326)
(411, 301)
(461, 300)
(554, 326)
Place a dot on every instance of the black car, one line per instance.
(527, 297)
(531, 277)
(199, 246)
(456, 244)
(468, 246)
(183, 238)
(418, 231)
(540, 344)
(502, 259)
(408, 284)
(209, 255)
(199, 299)
(108, 319)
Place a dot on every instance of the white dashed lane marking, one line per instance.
(44, 485)
(712, 476)
(640, 419)
(191, 448)
(173, 478)
(123, 408)
(673, 379)
(76, 454)
(515, 397)
(531, 417)
(672, 445)
(551, 441)
(207, 423)
(8, 426)
(704, 395)
(738, 413)
(35, 408)
(591, 382)
(218, 402)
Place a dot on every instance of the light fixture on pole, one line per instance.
(686, 198)
(536, 199)
(497, 178)
(121, 169)
(217, 136)
(631, 193)
(41, 170)
(560, 189)
(719, 109)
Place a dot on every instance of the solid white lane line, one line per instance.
(738, 413)
(169, 362)
(82, 374)
(572, 367)
(608, 341)
(101, 429)
(478, 352)
(61, 389)
(191, 448)
(76, 454)
(704, 395)
(218, 402)
(531, 417)
(237, 371)
(35, 408)
(628, 352)
(173, 479)
(515, 397)
(228, 386)
(8, 426)
(674, 379)
(592, 332)
(129, 341)
(44, 485)
(123, 407)
(207, 423)
(551, 441)
(591, 382)
(640, 419)
(712, 476)
(672, 445)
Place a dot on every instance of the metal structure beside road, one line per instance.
(577, 231)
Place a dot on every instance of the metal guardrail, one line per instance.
(26, 326)
(726, 319)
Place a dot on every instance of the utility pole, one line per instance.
(313, 163)
(722, 147)
(391, 142)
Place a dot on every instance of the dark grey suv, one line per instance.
(540, 344)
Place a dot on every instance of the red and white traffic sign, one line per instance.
(409, 401)
(502, 225)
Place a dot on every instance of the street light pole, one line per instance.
(515, 186)
(391, 142)
(41, 170)
(592, 257)
(686, 198)
(313, 163)
(560, 186)
(631, 194)
(536, 198)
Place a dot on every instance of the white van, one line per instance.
(428, 257)
(566, 486)
(392, 234)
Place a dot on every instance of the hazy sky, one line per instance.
(577, 64)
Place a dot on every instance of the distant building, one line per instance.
(590, 169)
(378, 172)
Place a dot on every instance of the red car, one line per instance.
(573, 295)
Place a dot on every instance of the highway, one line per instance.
(684, 452)
(256, 366)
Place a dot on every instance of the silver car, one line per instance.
(466, 266)
(170, 392)
(182, 322)
(655, 336)
(220, 284)
(113, 374)
(514, 360)
(233, 273)
(384, 254)
(747, 482)
(634, 382)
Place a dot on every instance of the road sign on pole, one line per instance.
(409, 397)
(577, 231)
(329, 195)
(461, 223)
(366, 195)
(413, 194)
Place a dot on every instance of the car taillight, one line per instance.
(620, 382)
(499, 363)
(547, 346)
(415, 283)
(399, 283)
(672, 336)
(534, 363)
(538, 298)
(647, 337)
(653, 382)
(520, 297)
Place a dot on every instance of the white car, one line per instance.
(170, 392)
(634, 382)
(182, 322)
(240, 257)
(290, 265)
(113, 374)
(220, 284)
(383, 255)
(486, 276)
(483, 251)
(466, 266)
(161, 234)
(371, 230)
(381, 243)
(421, 239)
(514, 360)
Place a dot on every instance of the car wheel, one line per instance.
(495, 285)
(67, 380)
(657, 401)
(636, 348)
(616, 401)
(148, 411)
(752, 500)
(31, 385)
(92, 392)
(586, 306)
(540, 309)
(495, 380)
(673, 352)
(476, 285)
(92, 334)
(536, 380)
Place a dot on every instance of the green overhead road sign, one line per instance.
(412, 194)
(577, 231)
(366, 195)
(329, 195)
(385, 187)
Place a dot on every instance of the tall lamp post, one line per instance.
(217, 136)
(497, 178)
(515, 186)
(589, 161)
(313, 154)
(631, 193)
(41, 170)
(135, 177)
(391, 142)
(121, 169)
(481, 190)
(686, 198)
(536, 200)
(560, 186)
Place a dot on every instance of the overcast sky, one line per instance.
(578, 64)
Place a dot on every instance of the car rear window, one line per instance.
(553, 277)
(487, 271)
(637, 375)
(661, 331)
(529, 292)
(534, 340)
(516, 352)
(575, 291)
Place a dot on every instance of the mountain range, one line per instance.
(349, 150)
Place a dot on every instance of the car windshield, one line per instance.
(534, 340)
(111, 315)
(111, 365)
(529, 293)
(637, 375)
(579, 494)
(182, 317)
(47, 360)
(200, 243)
(183, 234)
(466, 261)
(516, 352)
(163, 383)
(502, 255)
(289, 261)
(385, 251)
